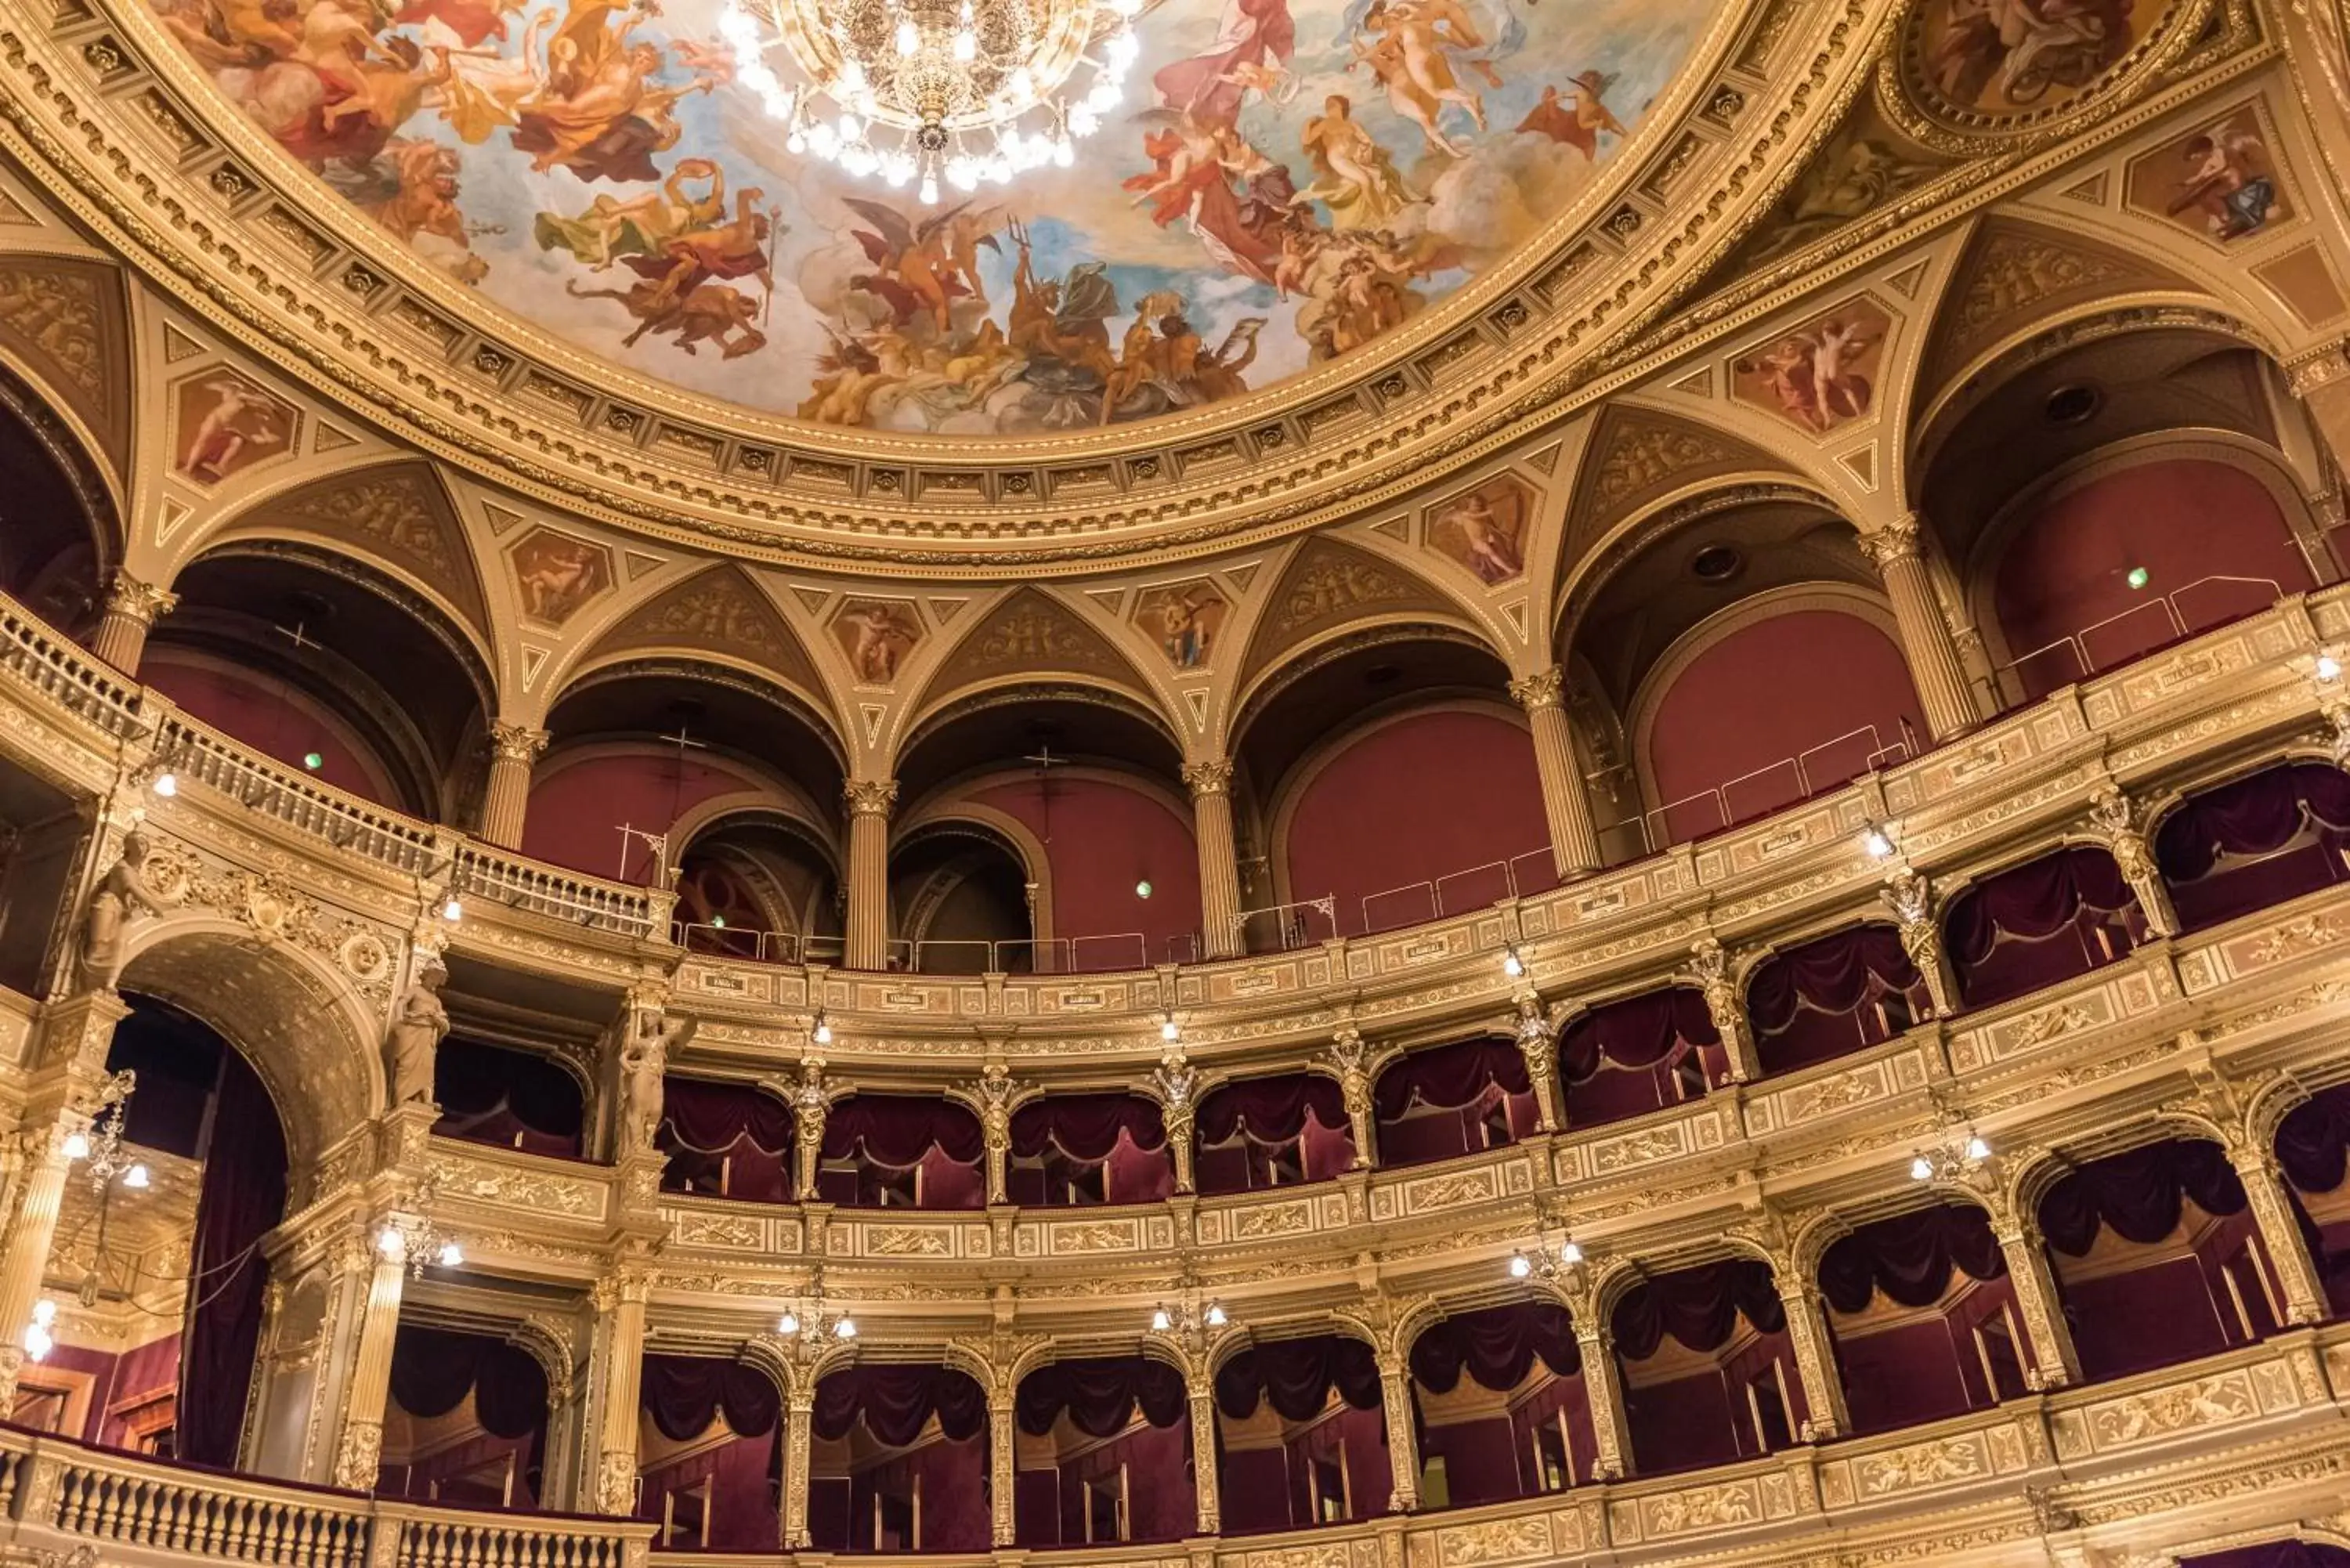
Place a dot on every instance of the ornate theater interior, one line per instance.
(1202, 784)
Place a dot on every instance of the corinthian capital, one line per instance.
(1902, 539)
(516, 742)
(870, 797)
(1543, 689)
(1208, 778)
(127, 596)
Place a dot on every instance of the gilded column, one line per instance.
(1210, 783)
(1603, 1390)
(799, 1420)
(1403, 1438)
(619, 1301)
(811, 1103)
(1807, 1336)
(1574, 835)
(513, 749)
(1709, 967)
(1177, 1085)
(132, 608)
(75, 1033)
(1351, 1058)
(1002, 1435)
(1205, 1481)
(1909, 897)
(358, 1449)
(2115, 818)
(2056, 1364)
(994, 1093)
(2298, 1283)
(1536, 1045)
(1897, 549)
(870, 801)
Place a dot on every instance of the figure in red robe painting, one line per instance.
(1256, 36)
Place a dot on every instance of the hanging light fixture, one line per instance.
(921, 92)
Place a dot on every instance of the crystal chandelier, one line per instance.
(921, 91)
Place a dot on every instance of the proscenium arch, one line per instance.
(304, 1027)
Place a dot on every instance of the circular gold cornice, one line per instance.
(214, 220)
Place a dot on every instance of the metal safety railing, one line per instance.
(2138, 631)
(1799, 777)
(1432, 898)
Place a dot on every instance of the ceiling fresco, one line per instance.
(1287, 180)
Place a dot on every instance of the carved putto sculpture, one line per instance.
(120, 893)
(418, 1027)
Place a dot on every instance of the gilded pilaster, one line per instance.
(359, 1447)
(1176, 1083)
(1567, 805)
(1403, 1437)
(1807, 1336)
(2299, 1285)
(620, 1299)
(1210, 783)
(799, 1421)
(1003, 1435)
(811, 1103)
(1603, 1390)
(2115, 818)
(1206, 1483)
(2056, 1364)
(1909, 897)
(1709, 967)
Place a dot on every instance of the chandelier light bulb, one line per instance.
(167, 785)
(845, 1329)
(930, 190)
(1160, 1322)
(391, 1242)
(1878, 846)
(453, 911)
(1170, 1031)
(909, 40)
(452, 1255)
(135, 1177)
(77, 1146)
(790, 1323)
(1215, 1315)
(38, 1339)
(1922, 1168)
(1978, 1150)
(1519, 1267)
(2328, 667)
(1511, 965)
(822, 1032)
(1570, 1255)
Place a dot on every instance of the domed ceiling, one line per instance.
(1285, 181)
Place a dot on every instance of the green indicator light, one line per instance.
(2139, 576)
(313, 760)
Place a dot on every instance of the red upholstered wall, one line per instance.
(576, 808)
(1765, 693)
(263, 716)
(2184, 519)
(1105, 838)
(1426, 795)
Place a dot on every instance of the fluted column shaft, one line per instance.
(619, 1301)
(1210, 785)
(2056, 1365)
(799, 1428)
(870, 801)
(1807, 1336)
(1603, 1389)
(1403, 1434)
(1204, 1479)
(2298, 1281)
(514, 749)
(1567, 805)
(132, 608)
(1899, 551)
(359, 1452)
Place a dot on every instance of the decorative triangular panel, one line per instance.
(1241, 576)
(1111, 600)
(331, 437)
(502, 520)
(1904, 282)
(718, 610)
(171, 516)
(1032, 634)
(1515, 612)
(1196, 700)
(1546, 460)
(1698, 383)
(177, 345)
(15, 215)
(812, 600)
(1327, 584)
(2014, 274)
(1396, 528)
(873, 714)
(1861, 463)
(2091, 190)
(944, 610)
(399, 514)
(636, 564)
(534, 659)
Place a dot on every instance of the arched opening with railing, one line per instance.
(1923, 1318)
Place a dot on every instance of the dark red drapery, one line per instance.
(1833, 976)
(2138, 1193)
(1086, 1126)
(1450, 1076)
(708, 1126)
(684, 1394)
(1101, 1395)
(1270, 1110)
(433, 1370)
(1908, 1257)
(1698, 1307)
(2273, 1555)
(1496, 1346)
(899, 1129)
(242, 1197)
(2225, 852)
(896, 1401)
(488, 1094)
(1994, 929)
(2313, 1140)
(1637, 1032)
(1297, 1375)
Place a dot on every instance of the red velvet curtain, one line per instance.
(707, 1128)
(1699, 1307)
(2223, 852)
(1297, 1375)
(2313, 1140)
(489, 1095)
(2032, 925)
(1496, 1346)
(899, 1129)
(433, 1370)
(1450, 1076)
(1086, 1127)
(684, 1394)
(897, 1400)
(1637, 1032)
(2138, 1193)
(1101, 1395)
(1908, 1257)
(242, 1197)
(2273, 1555)
(1270, 1110)
(1795, 995)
